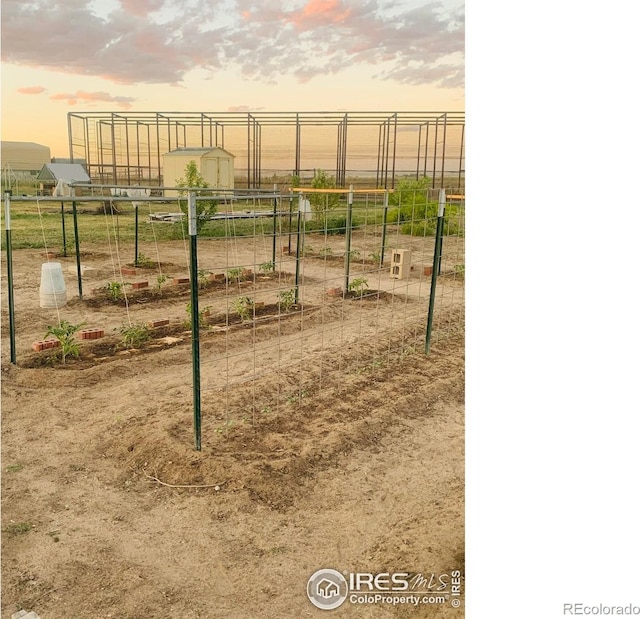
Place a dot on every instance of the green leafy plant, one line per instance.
(354, 254)
(203, 277)
(286, 299)
(322, 203)
(160, 281)
(458, 269)
(358, 285)
(144, 262)
(202, 314)
(134, 335)
(65, 333)
(326, 251)
(243, 306)
(234, 275)
(115, 290)
(204, 208)
(267, 267)
(375, 256)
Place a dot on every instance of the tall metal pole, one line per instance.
(290, 219)
(64, 231)
(77, 242)
(135, 260)
(7, 227)
(347, 255)
(384, 226)
(434, 270)
(298, 249)
(275, 227)
(195, 320)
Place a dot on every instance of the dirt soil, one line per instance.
(108, 511)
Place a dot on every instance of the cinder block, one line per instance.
(139, 285)
(400, 263)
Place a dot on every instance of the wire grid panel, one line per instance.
(309, 300)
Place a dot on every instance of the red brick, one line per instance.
(91, 334)
(41, 345)
(334, 292)
(138, 285)
(181, 280)
(128, 271)
(247, 272)
(428, 270)
(218, 277)
(158, 323)
(49, 255)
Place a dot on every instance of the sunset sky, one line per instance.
(230, 55)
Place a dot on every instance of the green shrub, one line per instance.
(134, 335)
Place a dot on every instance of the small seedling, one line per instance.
(354, 255)
(358, 285)
(203, 278)
(160, 280)
(459, 269)
(205, 311)
(243, 306)
(14, 468)
(115, 290)
(144, 262)
(65, 334)
(267, 267)
(286, 299)
(375, 256)
(134, 335)
(326, 251)
(234, 274)
(224, 428)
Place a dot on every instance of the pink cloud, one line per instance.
(31, 90)
(92, 97)
(319, 12)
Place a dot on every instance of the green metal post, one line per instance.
(12, 322)
(275, 226)
(195, 320)
(298, 250)
(440, 233)
(77, 242)
(290, 219)
(64, 231)
(135, 261)
(384, 226)
(347, 256)
(434, 271)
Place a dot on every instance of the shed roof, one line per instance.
(67, 172)
(198, 152)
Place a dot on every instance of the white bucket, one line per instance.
(53, 292)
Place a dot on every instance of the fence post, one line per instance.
(347, 256)
(7, 228)
(385, 210)
(64, 231)
(434, 271)
(195, 320)
(77, 241)
(135, 259)
(298, 250)
(275, 226)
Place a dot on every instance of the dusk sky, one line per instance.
(228, 55)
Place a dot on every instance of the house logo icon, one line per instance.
(327, 589)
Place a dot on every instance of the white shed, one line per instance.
(214, 163)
